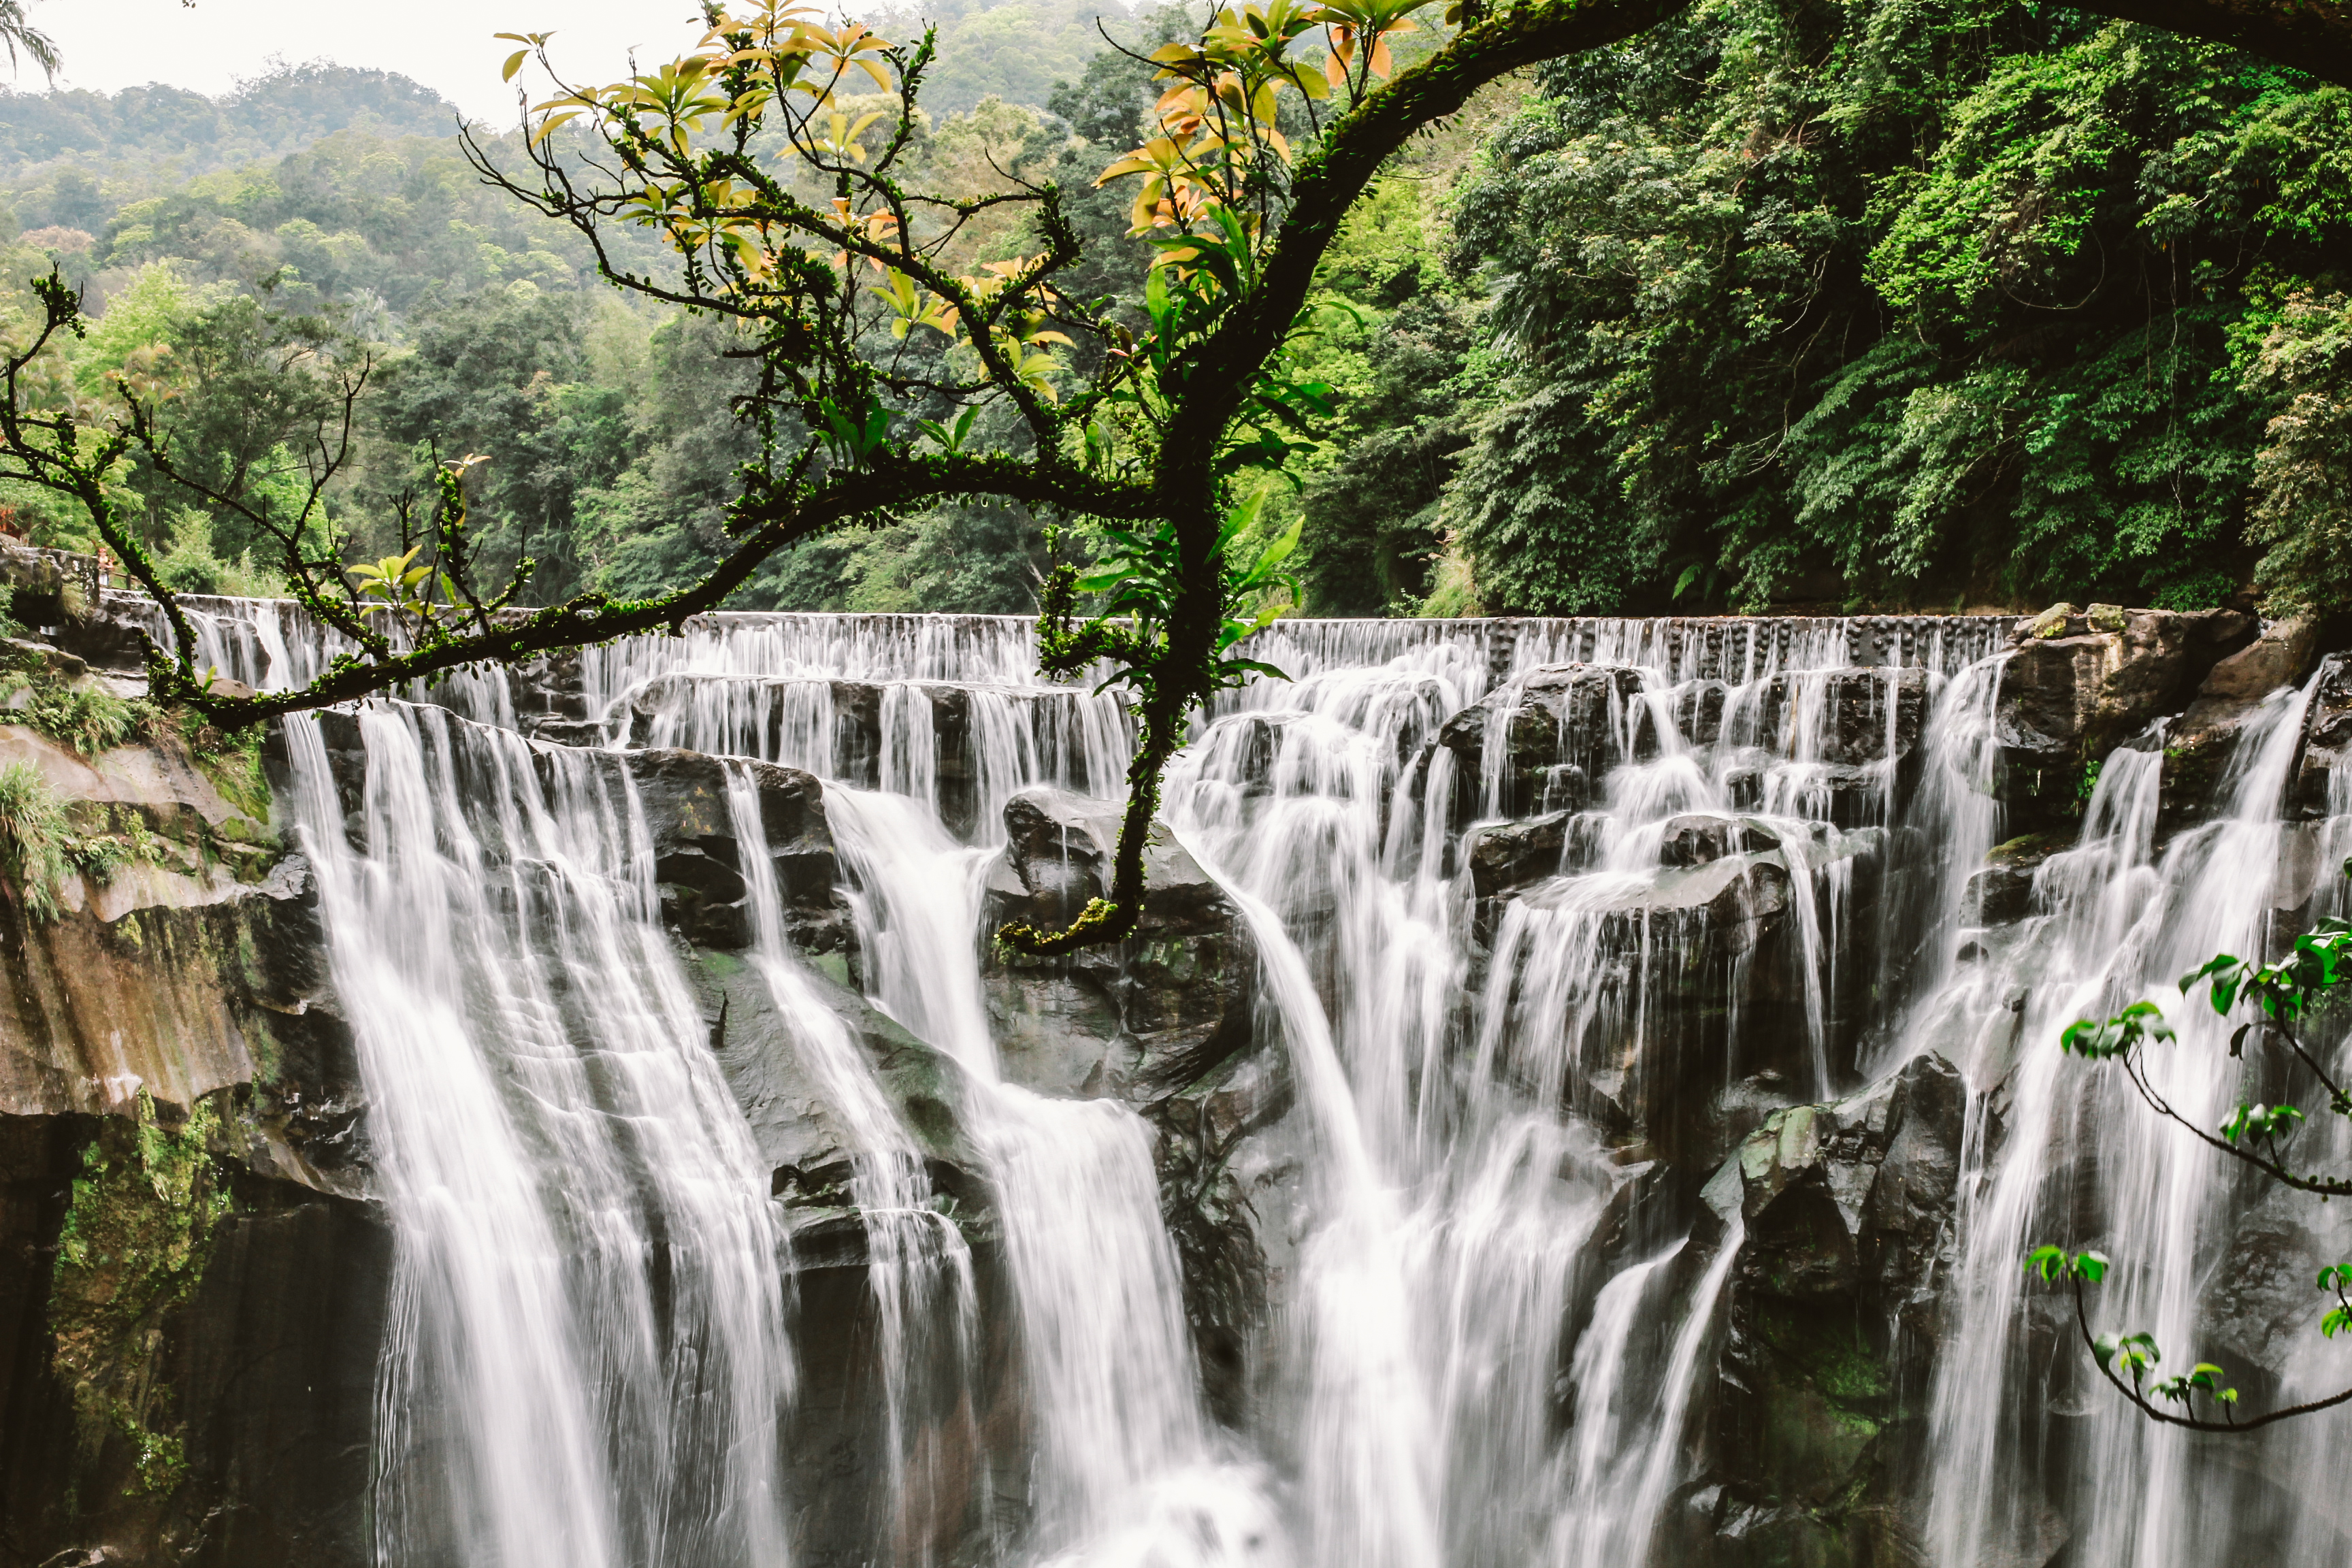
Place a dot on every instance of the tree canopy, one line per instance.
(1897, 299)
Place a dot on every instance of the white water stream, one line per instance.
(1496, 1306)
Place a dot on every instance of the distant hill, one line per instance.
(291, 108)
(1012, 49)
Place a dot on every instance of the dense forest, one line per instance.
(1781, 304)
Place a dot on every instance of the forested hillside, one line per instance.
(1781, 304)
(1883, 304)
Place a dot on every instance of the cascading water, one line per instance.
(1543, 917)
(2116, 920)
(588, 1359)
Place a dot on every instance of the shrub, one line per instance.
(33, 838)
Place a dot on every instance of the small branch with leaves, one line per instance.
(2284, 994)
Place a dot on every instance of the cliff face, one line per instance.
(193, 1274)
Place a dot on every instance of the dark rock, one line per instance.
(1505, 855)
(1579, 715)
(266, 1374)
(768, 1058)
(1847, 1213)
(1858, 716)
(2197, 750)
(1739, 899)
(2065, 701)
(567, 732)
(2003, 890)
(2327, 744)
(1202, 1129)
(1695, 840)
(700, 864)
(1138, 1020)
(548, 689)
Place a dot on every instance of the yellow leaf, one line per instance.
(514, 64)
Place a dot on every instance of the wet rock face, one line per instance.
(1507, 855)
(1556, 732)
(262, 1368)
(2073, 690)
(1138, 1021)
(1816, 1411)
(2002, 890)
(190, 992)
(1845, 717)
(2198, 748)
(700, 863)
(2326, 760)
(1220, 1177)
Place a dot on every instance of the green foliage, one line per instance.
(33, 836)
(2320, 960)
(85, 717)
(2098, 1039)
(278, 112)
(1140, 585)
(1903, 305)
(2055, 1263)
(2303, 478)
(137, 1236)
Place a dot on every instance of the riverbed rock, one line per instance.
(1137, 1020)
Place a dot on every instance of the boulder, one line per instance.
(1507, 855)
(1138, 1020)
(1696, 840)
(1739, 901)
(2071, 692)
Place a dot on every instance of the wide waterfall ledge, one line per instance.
(1578, 1096)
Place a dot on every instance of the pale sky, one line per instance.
(444, 44)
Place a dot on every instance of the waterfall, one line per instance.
(2119, 921)
(587, 1360)
(1548, 924)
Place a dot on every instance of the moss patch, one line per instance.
(137, 1235)
(232, 763)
